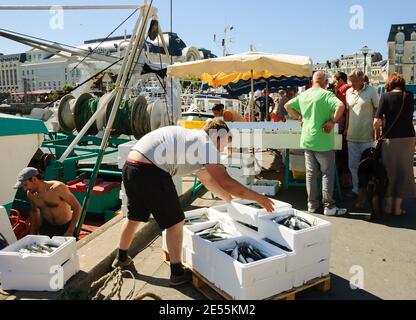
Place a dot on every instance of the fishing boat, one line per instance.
(79, 145)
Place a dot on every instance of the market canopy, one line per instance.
(243, 67)
(271, 84)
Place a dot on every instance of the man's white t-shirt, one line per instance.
(178, 151)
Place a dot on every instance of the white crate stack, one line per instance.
(294, 257)
(38, 272)
(242, 167)
(311, 247)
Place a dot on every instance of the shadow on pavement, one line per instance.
(341, 290)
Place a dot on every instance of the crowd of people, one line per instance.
(367, 122)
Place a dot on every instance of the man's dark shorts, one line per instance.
(51, 230)
(151, 191)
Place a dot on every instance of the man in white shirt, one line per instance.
(362, 103)
(147, 177)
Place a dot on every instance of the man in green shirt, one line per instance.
(320, 110)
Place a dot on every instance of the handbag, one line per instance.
(377, 153)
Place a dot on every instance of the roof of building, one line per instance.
(407, 29)
(21, 57)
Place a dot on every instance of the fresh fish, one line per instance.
(293, 222)
(245, 253)
(254, 205)
(194, 220)
(46, 248)
(214, 234)
(37, 249)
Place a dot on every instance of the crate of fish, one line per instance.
(249, 269)
(246, 261)
(309, 237)
(267, 187)
(199, 217)
(52, 280)
(249, 212)
(202, 235)
(221, 212)
(37, 254)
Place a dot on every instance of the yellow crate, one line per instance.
(299, 175)
(194, 125)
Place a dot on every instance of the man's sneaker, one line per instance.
(312, 211)
(335, 212)
(180, 280)
(122, 264)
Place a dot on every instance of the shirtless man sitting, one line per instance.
(55, 211)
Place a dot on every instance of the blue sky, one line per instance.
(320, 28)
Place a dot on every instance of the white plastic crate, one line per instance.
(123, 152)
(48, 281)
(200, 246)
(266, 187)
(311, 272)
(257, 280)
(261, 290)
(241, 210)
(295, 260)
(199, 263)
(13, 261)
(187, 236)
(310, 245)
(246, 275)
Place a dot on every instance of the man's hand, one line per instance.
(266, 203)
(328, 127)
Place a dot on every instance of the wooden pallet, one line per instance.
(211, 292)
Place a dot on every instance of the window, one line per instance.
(33, 72)
(399, 59)
(400, 37)
(413, 36)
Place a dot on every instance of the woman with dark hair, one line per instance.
(394, 124)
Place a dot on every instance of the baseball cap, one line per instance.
(25, 175)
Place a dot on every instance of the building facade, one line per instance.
(43, 72)
(402, 51)
(10, 71)
(348, 63)
(38, 71)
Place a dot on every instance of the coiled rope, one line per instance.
(116, 276)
